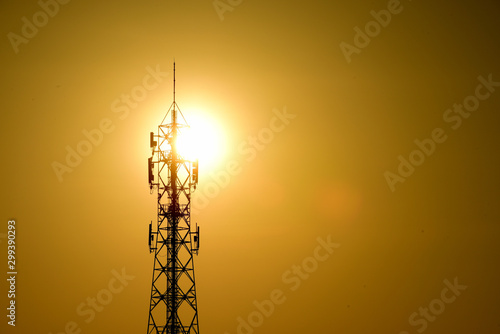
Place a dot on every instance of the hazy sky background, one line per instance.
(321, 176)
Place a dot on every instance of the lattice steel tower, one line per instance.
(173, 307)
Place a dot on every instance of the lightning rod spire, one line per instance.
(174, 83)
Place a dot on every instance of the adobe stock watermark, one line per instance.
(122, 107)
(222, 6)
(31, 27)
(453, 117)
(436, 307)
(98, 303)
(372, 29)
(249, 149)
(292, 277)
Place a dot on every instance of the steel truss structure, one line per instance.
(173, 306)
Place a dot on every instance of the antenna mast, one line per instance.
(174, 82)
(173, 306)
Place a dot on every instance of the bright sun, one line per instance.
(203, 140)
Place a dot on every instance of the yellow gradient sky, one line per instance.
(317, 122)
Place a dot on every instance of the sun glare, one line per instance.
(206, 140)
(202, 140)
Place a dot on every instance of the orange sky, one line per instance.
(322, 107)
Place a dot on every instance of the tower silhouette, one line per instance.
(173, 306)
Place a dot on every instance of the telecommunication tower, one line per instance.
(173, 307)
